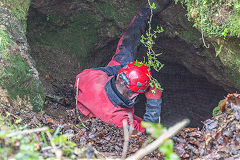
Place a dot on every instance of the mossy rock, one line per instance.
(18, 75)
(84, 30)
(19, 8)
(230, 57)
(216, 18)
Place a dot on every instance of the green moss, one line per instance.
(77, 37)
(18, 80)
(109, 11)
(215, 18)
(216, 110)
(17, 77)
(234, 67)
(119, 12)
(190, 38)
(189, 34)
(19, 8)
(4, 42)
(230, 58)
(55, 19)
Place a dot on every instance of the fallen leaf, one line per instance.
(134, 136)
(49, 121)
(10, 101)
(37, 146)
(48, 75)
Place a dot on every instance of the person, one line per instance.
(110, 92)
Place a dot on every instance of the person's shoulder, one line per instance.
(91, 73)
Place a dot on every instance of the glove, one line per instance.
(153, 106)
(149, 94)
(153, 110)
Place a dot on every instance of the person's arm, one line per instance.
(110, 70)
(153, 106)
(130, 40)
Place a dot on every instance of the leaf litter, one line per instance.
(218, 139)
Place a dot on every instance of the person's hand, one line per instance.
(153, 93)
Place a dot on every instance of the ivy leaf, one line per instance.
(166, 147)
(154, 129)
(161, 30)
(143, 37)
(153, 6)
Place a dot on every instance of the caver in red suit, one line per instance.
(98, 95)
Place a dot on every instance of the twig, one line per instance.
(150, 19)
(126, 139)
(76, 108)
(28, 131)
(127, 134)
(204, 43)
(57, 151)
(154, 145)
(130, 117)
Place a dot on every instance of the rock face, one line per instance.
(218, 22)
(89, 31)
(18, 77)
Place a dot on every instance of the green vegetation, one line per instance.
(230, 58)
(17, 77)
(217, 18)
(19, 8)
(148, 41)
(28, 144)
(80, 33)
(18, 80)
(216, 110)
(111, 10)
(156, 130)
(4, 42)
(189, 34)
(220, 20)
(77, 37)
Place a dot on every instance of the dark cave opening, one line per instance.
(185, 95)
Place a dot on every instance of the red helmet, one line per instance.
(135, 77)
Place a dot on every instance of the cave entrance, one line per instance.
(185, 95)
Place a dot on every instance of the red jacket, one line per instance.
(97, 96)
(93, 100)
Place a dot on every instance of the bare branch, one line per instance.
(155, 144)
(126, 139)
(127, 134)
(76, 108)
(58, 152)
(28, 131)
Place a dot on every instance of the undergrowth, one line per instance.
(19, 8)
(20, 143)
(216, 18)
